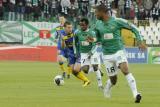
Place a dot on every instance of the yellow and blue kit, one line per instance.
(69, 48)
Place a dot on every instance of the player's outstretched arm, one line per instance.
(122, 23)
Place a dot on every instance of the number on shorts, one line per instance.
(111, 70)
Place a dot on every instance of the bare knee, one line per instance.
(124, 68)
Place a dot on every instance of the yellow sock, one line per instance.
(81, 76)
(69, 70)
(62, 67)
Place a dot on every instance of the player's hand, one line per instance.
(142, 46)
(90, 39)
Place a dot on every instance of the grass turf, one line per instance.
(30, 84)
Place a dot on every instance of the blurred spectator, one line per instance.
(53, 9)
(1, 9)
(155, 13)
(46, 9)
(141, 13)
(65, 4)
(135, 9)
(11, 9)
(36, 9)
(5, 8)
(121, 4)
(84, 8)
(28, 10)
(132, 12)
(20, 9)
(128, 5)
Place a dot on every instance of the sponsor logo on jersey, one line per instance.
(108, 36)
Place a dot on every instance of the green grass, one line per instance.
(30, 84)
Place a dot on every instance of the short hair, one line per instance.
(102, 8)
(67, 23)
(85, 20)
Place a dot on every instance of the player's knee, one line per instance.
(95, 67)
(124, 67)
(74, 72)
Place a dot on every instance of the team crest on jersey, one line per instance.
(108, 36)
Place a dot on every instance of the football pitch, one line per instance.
(30, 84)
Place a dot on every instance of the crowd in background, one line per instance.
(49, 10)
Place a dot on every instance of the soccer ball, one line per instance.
(58, 80)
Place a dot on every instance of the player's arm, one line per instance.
(127, 25)
(63, 44)
(76, 45)
(94, 41)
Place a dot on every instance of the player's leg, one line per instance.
(77, 71)
(123, 65)
(131, 81)
(95, 61)
(79, 74)
(69, 71)
(98, 75)
(61, 62)
(112, 72)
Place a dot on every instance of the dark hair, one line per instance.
(102, 8)
(85, 20)
(67, 23)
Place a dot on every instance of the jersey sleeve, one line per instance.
(97, 32)
(127, 25)
(76, 44)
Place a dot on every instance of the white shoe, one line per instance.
(107, 92)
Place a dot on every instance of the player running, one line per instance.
(108, 30)
(67, 43)
(85, 47)
(62, 52)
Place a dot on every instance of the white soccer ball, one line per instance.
(58, 80)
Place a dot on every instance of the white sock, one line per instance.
(107, 89)
(99, 78)
(109, 84)
(132, 84)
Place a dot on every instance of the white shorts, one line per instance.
(112, 62)
(94, 60)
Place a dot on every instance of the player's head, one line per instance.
(101, 11)
(62, 20)
(68, 27)
(84, 23)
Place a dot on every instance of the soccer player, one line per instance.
(62, 52)
(108, 30)
(67, 42)
(85, 47)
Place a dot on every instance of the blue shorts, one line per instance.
(71, 56)
(59, 45)
(64, 53)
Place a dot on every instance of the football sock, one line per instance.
(81, 76)
(132, 84)
(109, 84)
(99, 79)
(69, 70)
(62, 66)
